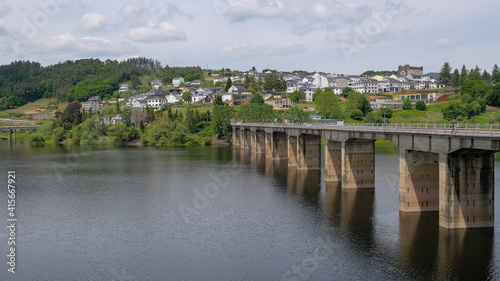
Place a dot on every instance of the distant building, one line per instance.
(124, 88)
(177, 81)
(410, 70)
(94, 103)
(156, 84)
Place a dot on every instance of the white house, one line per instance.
(116, 119)
(177, 81)
(156, 102)
(156, 84)
(173, 98)
(220, 79)
(239, 90)
(124, 88)
(320, 81)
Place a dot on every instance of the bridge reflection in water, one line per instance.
(423, 250)
(439, 170)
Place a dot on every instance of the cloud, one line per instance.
(242, 10)
(319, 10)
(446, 42)
(4, 9)
(261, 50)
(92, 22)
(136, 15)
(162, 32)
(4, 29)
(67, 43)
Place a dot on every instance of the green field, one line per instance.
(36, 107)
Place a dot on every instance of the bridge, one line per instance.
(450, 170)
(13, 129)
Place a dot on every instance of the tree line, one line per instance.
(26, 81)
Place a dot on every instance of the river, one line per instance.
(92, 213)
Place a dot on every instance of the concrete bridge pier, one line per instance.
(292, 151)
(269, 145)
(236, 138)
(418, 181)
(247, 139)
(466, 189)
(309, 152)
(280, 146)
(358, 164)
(259, 141)
(333, 161)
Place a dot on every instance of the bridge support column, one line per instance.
(280, 149)
(309, 153)
(247, 135)
(466, 184)
(292, 151)
(260, 142)
(358, 164)
(10, 134)
(253, 141)
(333, 161)
(236, 138)
(269, 145)
(418, 181)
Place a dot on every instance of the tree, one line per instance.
(192, 120)
(464, 75)
(72, 114)
(420, 105)
(229, 83)
(475, 74)
(445, 75)
(127, 116)
(493, 98)
(406, 104)
(454, 111)
(386, 111)
(455, 79)
(357, 114)
(222, 121)
(359, 101)
(187, 96)
(297, 96)
(117, 106)
(495, 75)
(257, 99)
(328, 104)
(346, 91)
(273, 83)
(374, 117)
(256, 112)
(218, 100)
(486, 76)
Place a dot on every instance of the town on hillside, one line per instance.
(180, 91)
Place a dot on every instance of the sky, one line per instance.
(333, 36)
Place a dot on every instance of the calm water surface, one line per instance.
(88, 213)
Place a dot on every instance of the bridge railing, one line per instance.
(460, 129)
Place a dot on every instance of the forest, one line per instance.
(24, 81)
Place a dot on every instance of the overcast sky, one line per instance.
(335, 36)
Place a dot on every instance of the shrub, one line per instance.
(421, 106)
(36, 140)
